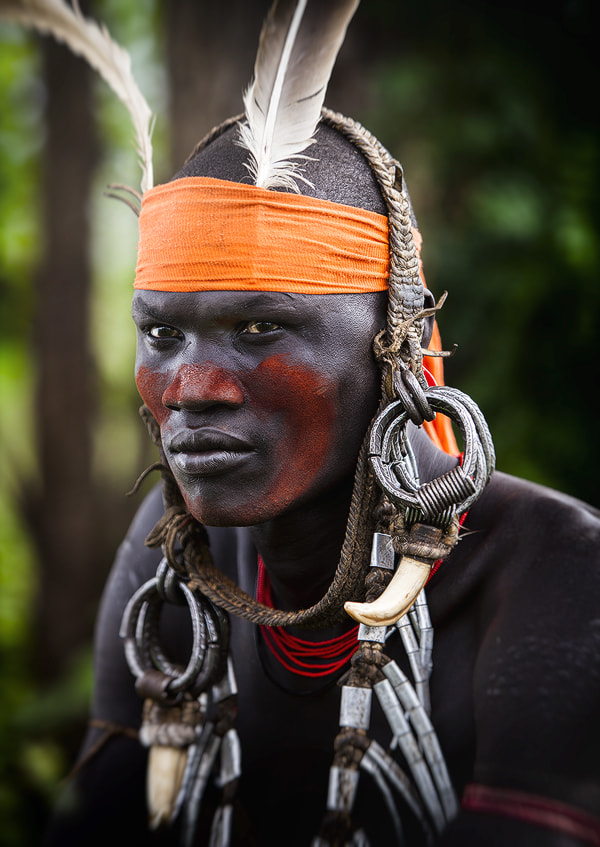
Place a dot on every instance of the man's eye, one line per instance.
(161, 331)
(258, 327)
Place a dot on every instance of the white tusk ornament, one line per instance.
(402, 591)
(165, 774)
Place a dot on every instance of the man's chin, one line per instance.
(252, 512)
(228, 514)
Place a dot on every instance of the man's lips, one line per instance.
(207, 451)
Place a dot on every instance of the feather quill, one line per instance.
(298, 46)
(91, 41)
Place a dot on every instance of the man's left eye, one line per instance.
(259, 327)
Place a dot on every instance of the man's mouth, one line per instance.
(204, 452)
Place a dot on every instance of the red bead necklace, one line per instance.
(305, 658)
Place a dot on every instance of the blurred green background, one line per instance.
(492, 109)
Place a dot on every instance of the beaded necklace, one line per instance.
(306, 658)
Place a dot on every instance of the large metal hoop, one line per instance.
(139, 629)
(394, 467)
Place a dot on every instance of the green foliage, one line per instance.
(118, 453)
(20, 140)
(33, 749)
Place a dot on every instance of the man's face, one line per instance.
(262, 399)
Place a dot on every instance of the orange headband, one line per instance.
(202, 234)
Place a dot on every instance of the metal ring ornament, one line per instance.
(169, 588)
(205, 629)
(413, 396)
(393, 463)
(139, 629)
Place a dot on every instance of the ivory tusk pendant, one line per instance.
(165, 773)
(402, 591)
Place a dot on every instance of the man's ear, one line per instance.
(428, 322)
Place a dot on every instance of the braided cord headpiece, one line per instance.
(402, 341)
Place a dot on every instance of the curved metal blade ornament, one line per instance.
(434, 503)
(181, 703)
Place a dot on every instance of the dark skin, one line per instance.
(516, 679)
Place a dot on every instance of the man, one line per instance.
(256, 313)
(262, 400)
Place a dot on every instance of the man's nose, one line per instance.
(199, 386)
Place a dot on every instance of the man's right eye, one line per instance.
(162, 331)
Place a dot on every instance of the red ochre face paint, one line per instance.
(283, 412)
(305, 401)
(151, 387)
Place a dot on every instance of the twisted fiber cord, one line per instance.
(351, 744)
(213, 134)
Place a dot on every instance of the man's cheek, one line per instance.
(301, 397)
(151, 386)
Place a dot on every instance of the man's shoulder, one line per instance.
(532, 552)
(513, 504)
(522, 541)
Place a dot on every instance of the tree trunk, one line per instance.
(61, 510)
(210, 54)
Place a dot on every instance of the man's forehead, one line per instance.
(149, 301)
(216, 304)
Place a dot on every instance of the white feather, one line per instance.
(93, 42)
(298, 46)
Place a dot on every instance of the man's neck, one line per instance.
(301, 548)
